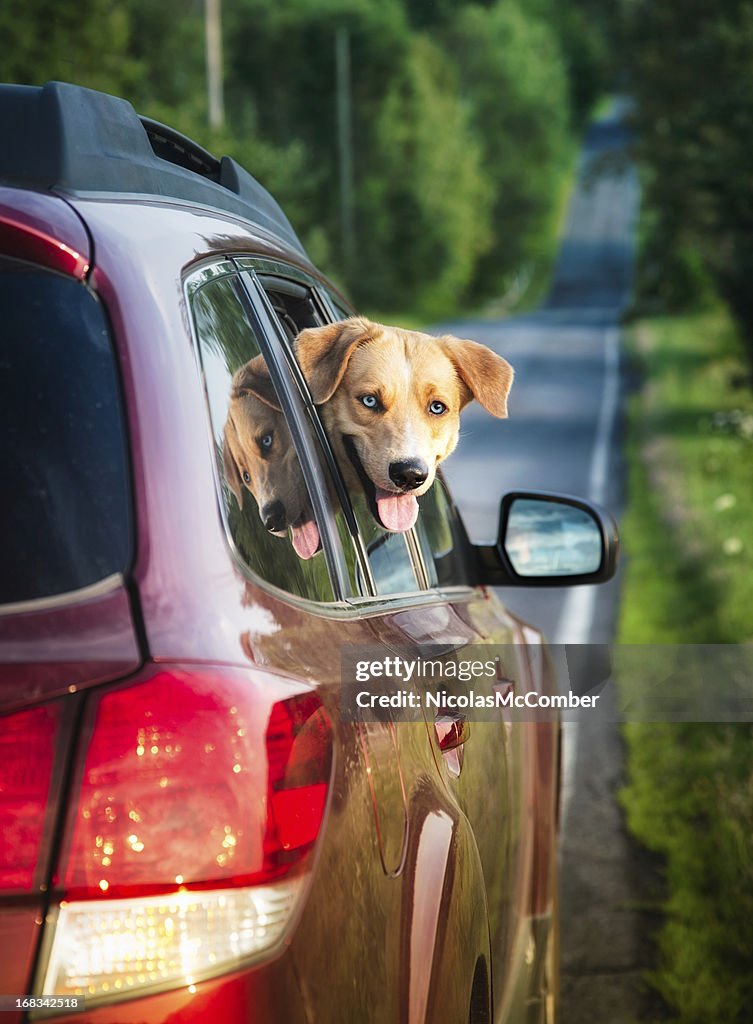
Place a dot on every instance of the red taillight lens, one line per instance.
(298, 756)
(202, 790)
(195, 779)
(27, 748)
(23, 239)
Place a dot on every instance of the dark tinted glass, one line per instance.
(446, 550)
(66, 505)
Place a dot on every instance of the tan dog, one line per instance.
(391, 402)
(259, 456)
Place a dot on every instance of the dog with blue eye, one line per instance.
(391, 401)
(259, 457)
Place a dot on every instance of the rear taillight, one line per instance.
(200, 796)
(27, 746)
(23, 239)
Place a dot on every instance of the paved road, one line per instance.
(564, 434)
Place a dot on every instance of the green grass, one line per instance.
(688, 537)
(691, 453)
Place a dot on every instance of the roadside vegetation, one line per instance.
(463, 120)
(688, 535)
(688, 532)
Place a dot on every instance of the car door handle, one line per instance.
(451, 731)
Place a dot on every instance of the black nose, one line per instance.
(409, 475)
(273, 516)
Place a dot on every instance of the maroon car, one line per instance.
(197, 823)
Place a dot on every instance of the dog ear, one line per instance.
(254, 379)
(323, 354)
(229, 462)
(487, 376)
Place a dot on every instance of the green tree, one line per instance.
(425, 200)
(46, 41)
(512, 73)
(281, 67)
(691, 67)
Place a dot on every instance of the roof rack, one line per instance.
(81, 142)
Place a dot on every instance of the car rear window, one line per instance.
(66, 504)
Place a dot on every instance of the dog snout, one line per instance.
(273, 516)
(409, 475)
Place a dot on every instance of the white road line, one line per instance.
(576, 618)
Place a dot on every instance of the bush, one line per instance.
(424, 213)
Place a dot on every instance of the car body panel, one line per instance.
(63, 644)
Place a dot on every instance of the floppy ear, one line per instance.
(229, 463)
(323, 354)
(254, 379)
(487, 376)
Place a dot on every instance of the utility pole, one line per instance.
(213, 32)
(345, 149)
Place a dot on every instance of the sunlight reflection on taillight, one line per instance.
(201, 794)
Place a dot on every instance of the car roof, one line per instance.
(84, 143)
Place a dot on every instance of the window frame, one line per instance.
(266, 271)
(304, 422)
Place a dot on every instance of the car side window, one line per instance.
(390, 563)
(266, 504)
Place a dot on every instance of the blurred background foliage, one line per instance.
(690, 70)
(464, 118)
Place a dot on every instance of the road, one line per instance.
(564, 434)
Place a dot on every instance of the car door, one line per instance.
(443, 612)
(488, 775)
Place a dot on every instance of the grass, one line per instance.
(688, 535)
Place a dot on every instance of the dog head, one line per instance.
(391, 402)
(259, 456)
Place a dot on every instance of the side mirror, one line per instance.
(549, 540)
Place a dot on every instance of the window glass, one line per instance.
(443, 540)
(66, 509)
(390, 563)
(267, 505)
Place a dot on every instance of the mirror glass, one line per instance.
(548, 538)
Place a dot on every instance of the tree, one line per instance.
(46, 41)
(425, 200)
(692, 75)
(513, 76)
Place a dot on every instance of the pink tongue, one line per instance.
(398, 512)
(305, 539)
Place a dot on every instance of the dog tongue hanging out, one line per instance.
(391, 402)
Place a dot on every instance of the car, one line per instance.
(203, 818)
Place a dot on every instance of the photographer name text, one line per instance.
(532, 699)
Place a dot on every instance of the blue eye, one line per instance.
(437, 408)
(370, 401)
(266, 441)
